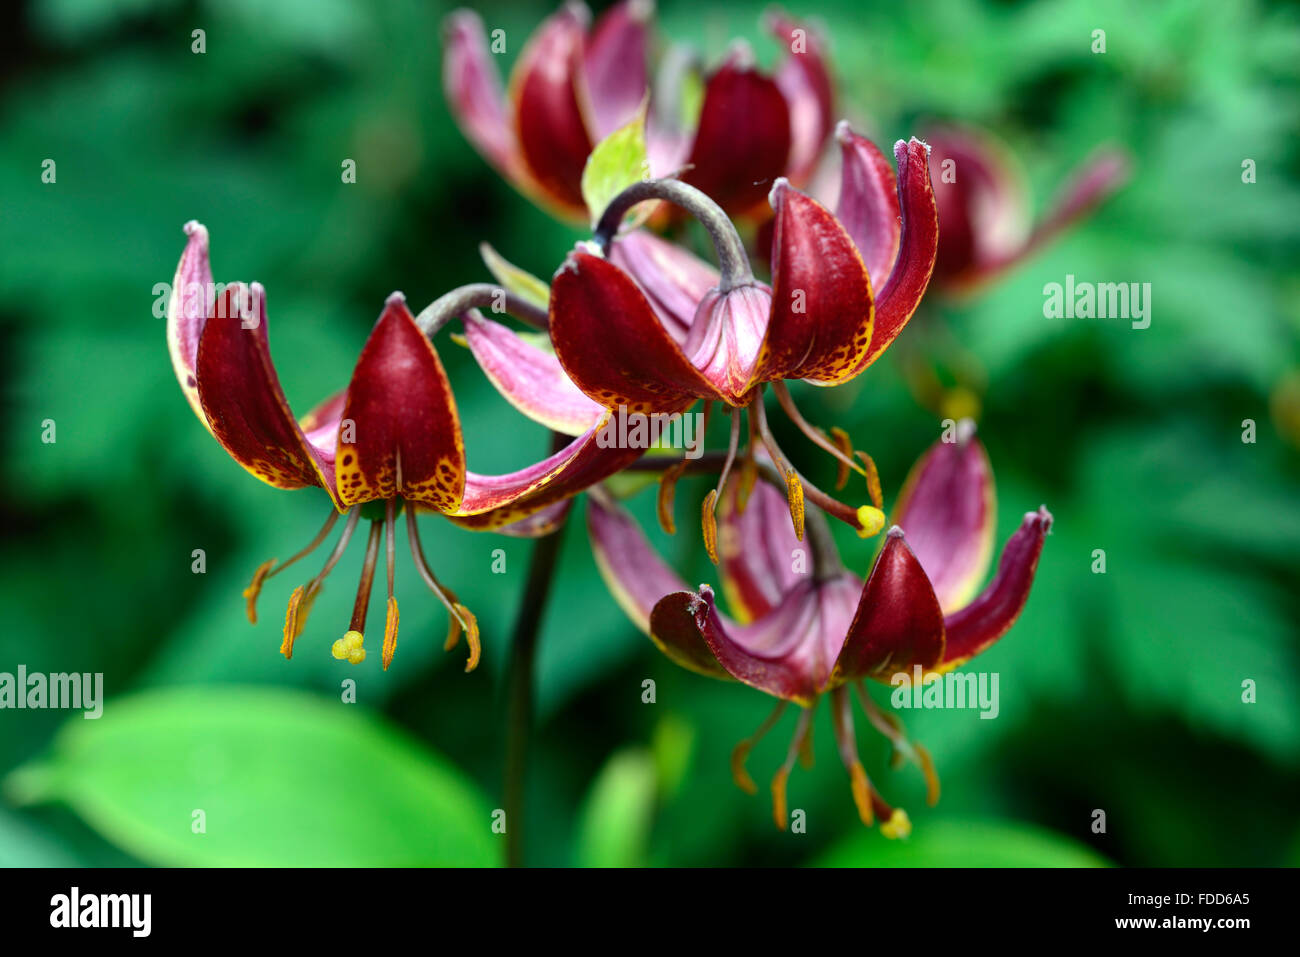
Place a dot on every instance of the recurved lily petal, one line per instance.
(986, 619)
(548, 120)
(187, 312)
(614, 66)
(822, 313)
(400, 432)
(243, 403)
(788, 653)
(898, 622)
(985, 208)
(473, 88)
(1093, 183)
(743, 139)
(947, 508)
(542, 522)
(898, 295)
(530, 378)
(758, 549)
(613, 346)
(492, 501)
(805, 81)
(672, 278)
(635, 574)
(868, 202)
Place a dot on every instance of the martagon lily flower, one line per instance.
(391, 440)
(806, 629)
(983, 205)
(643, 327)
(571, 87)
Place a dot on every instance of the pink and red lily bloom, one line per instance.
(644, 327)
(572, 86)
(983, 205)
(391, 439)
(803, 629)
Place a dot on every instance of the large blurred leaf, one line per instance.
(616, 818)
(964, 844)
(283, 779)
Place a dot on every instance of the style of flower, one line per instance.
(571, 87)
(391, 440)
(983, 205)
(807, 629)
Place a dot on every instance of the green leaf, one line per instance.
(616, 818)
(954, 843)
(618, 161)
(281, 778)
(519, 281)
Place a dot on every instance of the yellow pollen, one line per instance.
(738, 773)
(870, 521)
(471, 636)
(874, 491)
(960, 403)
(794, 494)
(667, 493)
(898, 826)
(745, 482)
(845, 446)
(931, 776)
(861, 786)
(778, 797)
(709, 525)
(255, 588)
(349, 648)
(390, 632)
(295, 618)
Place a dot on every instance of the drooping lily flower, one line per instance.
(805, 628)
(571, 87)
(391, 440)
(984, 205)
(644, 327)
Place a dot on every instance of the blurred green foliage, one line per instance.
(1121, 691)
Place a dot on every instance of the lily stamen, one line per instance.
(793, 480)
(462, 619)
(391, 618)
(300, 602)
(841, 448)
(740, 752)
(709, 516)
(265, 570)
(842, 720)
(349, 647)
(904, 748)
(783, 772)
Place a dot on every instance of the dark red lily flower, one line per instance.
(648, 328)
(571, 87)
(804, 629)
(391, 439)
(983, 205)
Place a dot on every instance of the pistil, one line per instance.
(349, 647)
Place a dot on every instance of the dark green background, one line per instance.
(1119, 692)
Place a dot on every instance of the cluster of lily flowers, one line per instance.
(634, 323)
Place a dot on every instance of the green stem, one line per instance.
(520, 682)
